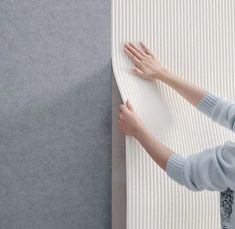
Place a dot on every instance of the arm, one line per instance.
(212, 169)
(192, 93)
(148, 67)
(158, 151)
(217, 108)
(130, 124)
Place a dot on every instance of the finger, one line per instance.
(138, 72)
(120, 125)
(137, 49)
(122, 107)
(134, 51)
(120, 116)
(133, 58)
(122, 128)
(129, 105)
(146, 50)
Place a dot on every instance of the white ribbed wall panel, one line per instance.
(196, 40)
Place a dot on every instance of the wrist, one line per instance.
(139, 133)
(169, 78)
(164, 74)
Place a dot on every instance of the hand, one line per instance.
(129, 123)
(146, 64)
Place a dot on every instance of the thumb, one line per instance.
(129, 105)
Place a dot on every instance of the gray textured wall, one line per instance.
(55, 114)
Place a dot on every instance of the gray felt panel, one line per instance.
(55, 114)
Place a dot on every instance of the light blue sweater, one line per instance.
(214, 168)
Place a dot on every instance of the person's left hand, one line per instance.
(128, 122)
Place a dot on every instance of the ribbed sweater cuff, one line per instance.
(175, 168)
(207, 104)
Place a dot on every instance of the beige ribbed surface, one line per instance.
(196, 40)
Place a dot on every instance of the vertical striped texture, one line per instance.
(196, 40)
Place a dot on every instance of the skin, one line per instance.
(148, 66)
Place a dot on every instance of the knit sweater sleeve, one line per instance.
(219, 109)
(214, 168)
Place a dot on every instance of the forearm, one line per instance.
(159, 152)
(192, 93)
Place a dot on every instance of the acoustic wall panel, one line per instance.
(194, 39)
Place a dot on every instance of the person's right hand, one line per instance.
(146, 64)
